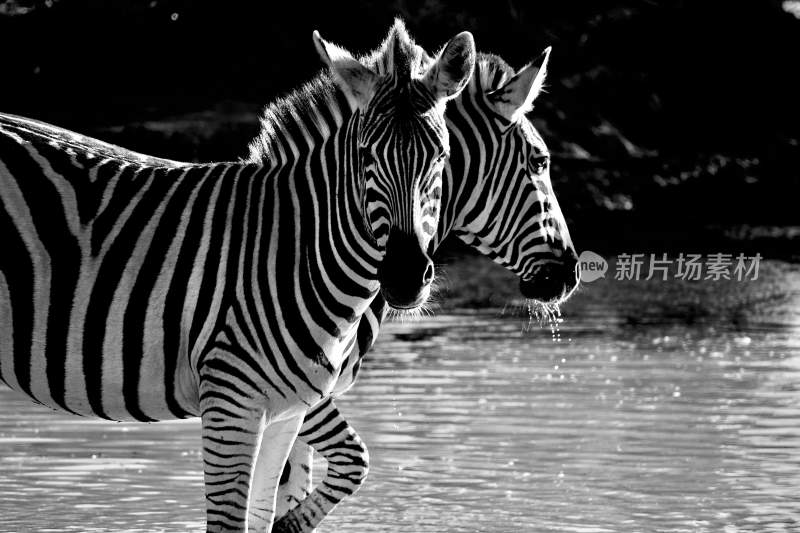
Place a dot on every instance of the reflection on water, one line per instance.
(475, 424)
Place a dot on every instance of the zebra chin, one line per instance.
(405, 302)
(551, 283)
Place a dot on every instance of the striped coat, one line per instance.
(138, 288)
(497, 198)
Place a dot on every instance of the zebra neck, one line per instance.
(319, 259)
(474, 135)
(457, 196)
(296, 125)
(311, 136)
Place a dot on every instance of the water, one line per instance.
(481, 423)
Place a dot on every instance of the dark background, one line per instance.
(674, 125)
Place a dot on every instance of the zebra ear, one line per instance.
(516, 96)
(451, 72)
(356, 80)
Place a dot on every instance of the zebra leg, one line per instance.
(295, 482)
(230, 446)
(328, 432)
(276, 444)
(235, 418)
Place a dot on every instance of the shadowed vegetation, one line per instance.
(671, 123)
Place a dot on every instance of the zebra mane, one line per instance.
(397, 55)
(320, 92)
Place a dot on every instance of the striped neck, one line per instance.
(292, 126)
(476, 132)
(311, 135)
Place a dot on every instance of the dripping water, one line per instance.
(546, 315)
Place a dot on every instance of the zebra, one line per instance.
(497, 198)
(138, 288)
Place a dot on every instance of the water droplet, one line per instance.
(742, 341)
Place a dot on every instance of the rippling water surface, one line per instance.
(480, 423)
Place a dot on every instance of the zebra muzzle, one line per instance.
(406, 272)
(552, 282)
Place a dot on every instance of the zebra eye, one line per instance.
(539, 163)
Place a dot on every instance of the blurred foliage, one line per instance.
(662, 115)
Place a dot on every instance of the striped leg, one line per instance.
(328, 432)
(276, 443)
(230, 445)
(236, 437)
(295, 483)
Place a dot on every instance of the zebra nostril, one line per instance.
(428, 276)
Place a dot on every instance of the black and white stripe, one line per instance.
(135, 288)
(498, 199)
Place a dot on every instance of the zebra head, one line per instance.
(403, 143)
(507, 208)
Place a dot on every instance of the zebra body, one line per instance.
(147, 307)
(145, 289)
(497, 198)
